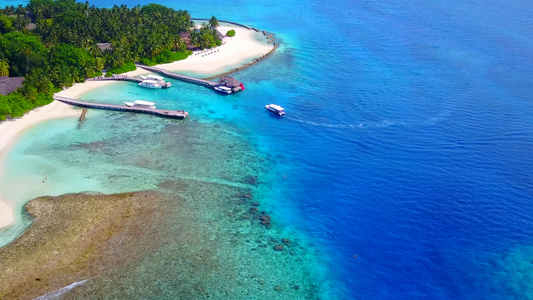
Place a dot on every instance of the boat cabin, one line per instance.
(141, 104)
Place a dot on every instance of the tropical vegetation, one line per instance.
(55, 43)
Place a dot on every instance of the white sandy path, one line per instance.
(235, 52)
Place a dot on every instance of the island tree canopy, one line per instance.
(62, 47)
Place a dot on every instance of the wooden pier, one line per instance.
(172, 114)
(206, 83)
(116, 78)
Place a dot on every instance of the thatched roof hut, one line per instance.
(229, 81)
(104, 46)
(9, 84)
(185, 35)
(31, 26)
(220, 36)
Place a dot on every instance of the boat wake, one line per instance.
(57, 293)
(362, 125)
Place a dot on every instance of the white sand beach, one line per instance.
(235, 52)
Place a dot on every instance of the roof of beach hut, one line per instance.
(185, 35)
(220, 36)
(104, 46)
(10, 84)
(31, 26)
(229, 81)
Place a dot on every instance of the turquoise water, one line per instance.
(407, 143)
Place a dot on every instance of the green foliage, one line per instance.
(230, 33)
(205, 37)
(133, 32)
(6, 24)
(213, 22)
(4, 67)
(166, 57)
(62, 49)
(122, 69)
(24, 52)
(16, 105)
(70, 64)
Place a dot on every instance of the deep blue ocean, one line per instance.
(406, 155)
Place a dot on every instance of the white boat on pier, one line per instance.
(155, 84)
(152, 77)
(140, 104)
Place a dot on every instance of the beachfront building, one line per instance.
(229, 82)
(186, 37)
(104, 46)
(9, 84)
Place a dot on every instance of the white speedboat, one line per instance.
(140, 104)
(151, 84)
(223, 89)
(152, 77)
(155, 84)
(280, 111)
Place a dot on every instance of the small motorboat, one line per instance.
(280, 111)
(152, 77)
(155, 84)
(223, 89)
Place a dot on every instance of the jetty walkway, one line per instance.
(206, 83)
(172, 114)
(116, 78)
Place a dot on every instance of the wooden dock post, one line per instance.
(83, 113)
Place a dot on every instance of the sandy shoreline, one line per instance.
(235, 52)
(12, 129)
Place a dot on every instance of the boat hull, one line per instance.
(151, 86)
(223, 91)
(281, 114)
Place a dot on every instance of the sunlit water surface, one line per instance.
(404, 162)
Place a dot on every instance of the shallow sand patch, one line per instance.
(10, 130)
(76, 237)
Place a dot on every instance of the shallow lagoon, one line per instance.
(407, 142)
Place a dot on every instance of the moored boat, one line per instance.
(152, 77)
(155, 84)
(223, 89)
(140, 104)
(280, 111)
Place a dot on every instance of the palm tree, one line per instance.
(213, 22)
(27, 52)
(4, 68)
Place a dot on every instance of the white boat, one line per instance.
(276, 109)
(152, 77)
(140, 104)
(151, 84)
(223, 89)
